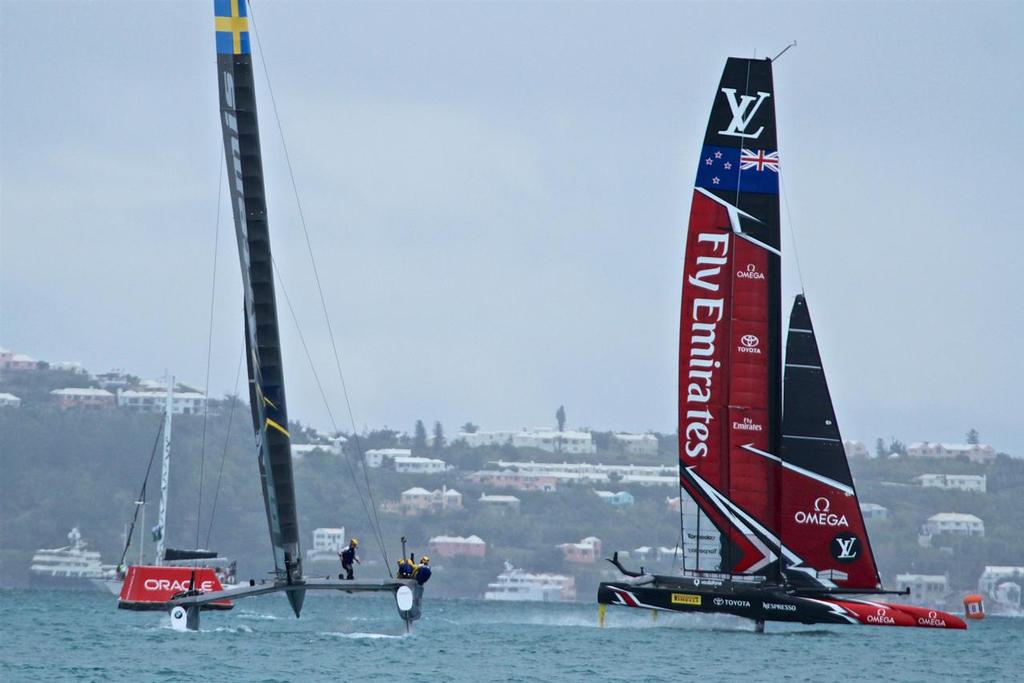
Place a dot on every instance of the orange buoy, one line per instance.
(974, 606)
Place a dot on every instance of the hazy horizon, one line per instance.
(497, 196)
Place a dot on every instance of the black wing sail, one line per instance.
(822, 524)
(266, 376)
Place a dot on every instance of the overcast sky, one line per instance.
(497, 197)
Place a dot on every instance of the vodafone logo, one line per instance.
(176, 586)
(751, 273)
(821, 516)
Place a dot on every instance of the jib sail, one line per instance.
(263, 350)
(821, 519)
(729, 364)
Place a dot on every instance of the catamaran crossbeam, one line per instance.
(185, 608)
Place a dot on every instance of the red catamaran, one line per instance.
(771, 526)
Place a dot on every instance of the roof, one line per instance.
(872, 506)
(950, 446)
(24, 358)
(416, 491)
(484, 498)
(177, 395)
(471, 540)
(411, 459)
(452, 492)
(9, 397)
(954, 517)
(81, 392)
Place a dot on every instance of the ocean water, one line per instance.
(57, 636)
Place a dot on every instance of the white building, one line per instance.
(70, 366)
(414, 464)
(871, 511)
(327, 543)
(549, 440)
(954, 523)
(9, 401)
(586, 470)
(926, 590)
(637, 444)
(856, 449)
(960, 482)
(301, 450)
(375, 457)
(152, 401)
(973, 452)
(1002, 586)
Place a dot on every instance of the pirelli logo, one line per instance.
(685, 599)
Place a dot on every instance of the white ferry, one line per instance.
(71, 567)
(515, 585)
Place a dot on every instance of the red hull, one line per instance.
(150, 587)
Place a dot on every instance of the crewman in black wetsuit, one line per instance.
(348, 558)
(422, 571)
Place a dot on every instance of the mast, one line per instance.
(263, 349)
(730, 383)
(165, 465)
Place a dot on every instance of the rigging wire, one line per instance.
(373, 518)
(227, 440)
(142, 494)
(209, 350)
(792, 229)
(330, 413)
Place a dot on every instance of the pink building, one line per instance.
(457, 546)
(587, 551)
(418, 500)
(521, 481)
(17, 361)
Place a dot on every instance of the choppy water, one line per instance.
(48, 636)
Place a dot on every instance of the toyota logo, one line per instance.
(718, 601)
(750, 341)
(822, 504)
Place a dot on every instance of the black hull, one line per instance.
(768, 602)
(697, 596)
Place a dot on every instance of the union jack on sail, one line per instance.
(759, 160)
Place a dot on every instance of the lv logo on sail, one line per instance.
(740, 116)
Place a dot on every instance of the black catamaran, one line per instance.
(771, 526)
(263, 348)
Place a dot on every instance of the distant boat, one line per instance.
(71, 567)
(150, 587)
(771, 528)
(516, 585)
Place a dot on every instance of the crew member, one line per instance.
(422, 571)
(348, 558)
(405, 569)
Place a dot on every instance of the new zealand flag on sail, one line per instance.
(731, 168)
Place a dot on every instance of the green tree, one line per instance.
(438, 436)
(897, 446)
(973, 437)
(469, 428)
(880, 448)
(560, 416)
(419, 438)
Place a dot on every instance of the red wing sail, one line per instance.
(821, 520)
(729, 369)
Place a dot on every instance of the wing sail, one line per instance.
(266, 376)
(729, 362)
(821, 519)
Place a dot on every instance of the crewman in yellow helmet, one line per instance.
(405, 568)
(348, 558)
(422, 571)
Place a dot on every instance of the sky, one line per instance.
(496, 196)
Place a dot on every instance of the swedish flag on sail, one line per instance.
(232, 24)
